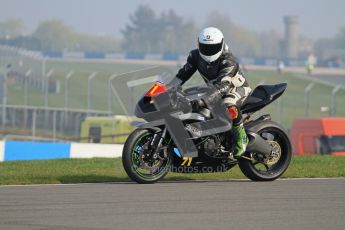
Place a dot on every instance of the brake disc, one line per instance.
(274, 157)
(153, 164)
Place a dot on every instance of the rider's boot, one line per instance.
(240, 140)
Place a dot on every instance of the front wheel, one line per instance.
(261, 168)
(141, 161)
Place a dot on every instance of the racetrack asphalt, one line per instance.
(238, 204)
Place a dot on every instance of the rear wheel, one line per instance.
(261, 168)
(141, 161)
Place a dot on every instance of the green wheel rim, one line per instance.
(135, 157)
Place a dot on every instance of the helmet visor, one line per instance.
(210, 49)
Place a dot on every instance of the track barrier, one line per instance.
(27, 150)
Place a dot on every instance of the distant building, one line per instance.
(291, 41)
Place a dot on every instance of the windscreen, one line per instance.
(126, 89)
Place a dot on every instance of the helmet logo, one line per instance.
(208, 38)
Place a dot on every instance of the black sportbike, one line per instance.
(184, 136)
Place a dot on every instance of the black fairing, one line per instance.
(143, 106)
(261, 96)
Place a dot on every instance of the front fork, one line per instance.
(157, 142)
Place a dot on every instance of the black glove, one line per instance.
(223, 87)
(197, 104)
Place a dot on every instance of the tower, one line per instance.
(291, 36)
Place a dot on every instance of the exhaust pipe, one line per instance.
(258, 145)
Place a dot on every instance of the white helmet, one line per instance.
(211, 43)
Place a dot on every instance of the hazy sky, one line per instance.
(318, 18)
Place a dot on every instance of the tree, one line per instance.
(328, 48)
(11, 28)
(149, 33)
(270, 44)
(55, 35)
(95, 43)
(323, 46)
(26, 42)
(141, 34)
(177, 36)
(340, 38)
(242, 42)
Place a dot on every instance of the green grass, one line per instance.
(77, 85)
(111, 170)
(292, 102)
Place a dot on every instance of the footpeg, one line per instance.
(247, 158)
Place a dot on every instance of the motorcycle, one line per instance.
(186, 135)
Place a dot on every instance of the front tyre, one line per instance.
(269, 168)
(141, 161)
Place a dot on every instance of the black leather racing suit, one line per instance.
(224, 73)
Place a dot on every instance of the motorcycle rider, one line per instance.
(217, 65)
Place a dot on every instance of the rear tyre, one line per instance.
(271, 168)
(139, 160)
